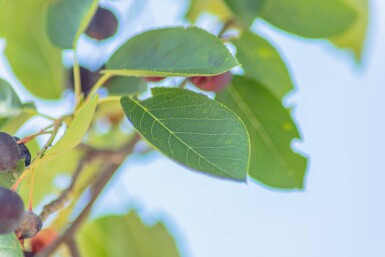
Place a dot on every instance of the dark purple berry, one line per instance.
(11, 211)
(87, 79)
(30, 226)
(103, 25)
(24, 153)
(9, 152)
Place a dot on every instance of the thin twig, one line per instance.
(32, 184)
(77, 80)
(99, 84)
(105, 156)
(100, 183)
(73, 247)
(40, 154)
(48, 144)
(59, 202)
(225, 27)
(109, 99)
(26, 139)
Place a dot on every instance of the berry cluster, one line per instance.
(13, 217)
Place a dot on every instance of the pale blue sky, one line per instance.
(340, 109)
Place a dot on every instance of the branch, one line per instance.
(105, 176)
(225, 27)
(73, 247)
(59, 202)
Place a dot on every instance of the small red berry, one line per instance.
(212, 83)
(42, 239)
(154, 79)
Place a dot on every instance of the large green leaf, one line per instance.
(193, 130)
(67, 19)
(35, 62)
(245, 10)
(10, 246)
(263, 63)
(13, 113)
(125, 85)
(77, 129)
(125, 236)
(354, 37)
(173, 51)
(271, 131)
(310, 18)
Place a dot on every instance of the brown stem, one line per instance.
(26, 139)
(225, 27)
(59, 202)
(48, 144)
(73, 247)
(103, 179)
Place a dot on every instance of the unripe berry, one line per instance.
(43, 239)
(30, 226)
(212, 83)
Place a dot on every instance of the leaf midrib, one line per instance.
(171, 132)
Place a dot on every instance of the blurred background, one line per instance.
(339, 108)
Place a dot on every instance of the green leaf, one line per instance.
(9, 100)
(175, 51)
(35, 62)
(125, 236)
(10, 246)
(245, 10)
(354, 37)
(216, 7)
(271, 131)
(77, 129)
(7, 179)
(12, 125)
(309, 18)
(193, 130)
(263, 63)
(13, 113)
(125, 86)
(67, 19)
